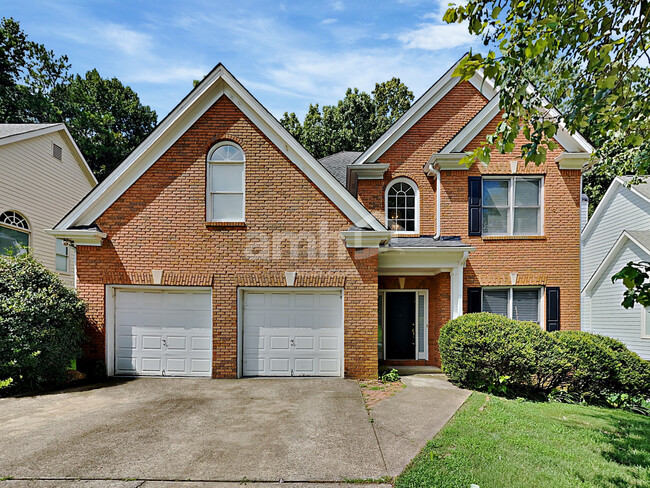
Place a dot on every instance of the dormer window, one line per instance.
(402, 206)
(226, 181)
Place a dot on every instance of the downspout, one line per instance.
(437, 173)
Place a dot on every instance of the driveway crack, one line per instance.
(374, 431)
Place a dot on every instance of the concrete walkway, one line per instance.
(159, 432)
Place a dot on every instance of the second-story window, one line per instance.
(512, 206)
(402, 206)
(226, 182)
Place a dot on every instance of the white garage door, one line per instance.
(163, 332)
(289, 333)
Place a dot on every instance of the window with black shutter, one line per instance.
(552, 308)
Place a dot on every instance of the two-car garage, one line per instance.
(165, 331)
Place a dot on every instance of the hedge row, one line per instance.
(492, 353)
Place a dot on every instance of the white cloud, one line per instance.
(328, 21)
(433, 37)
(126, 40)
(338, 5)
(161, 73)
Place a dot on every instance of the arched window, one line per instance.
(226, 180)
(402, 206)
(14, 233)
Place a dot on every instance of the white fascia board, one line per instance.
(80, 237)
(32, 133)
(473, 127)
(609, 258)
(374, 171)
(601, 208)
(365, 238)
(403, 259)
(569, 160)
(218, 83)
(445, 162)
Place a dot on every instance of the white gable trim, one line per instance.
(617, 183)
(473, 128)
(609, 258)
(217, 83)
(427, 101)
(76, 152)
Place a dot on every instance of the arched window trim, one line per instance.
(210, 166)
(412, 184)
(23, 229)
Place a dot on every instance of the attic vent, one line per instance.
(57, 152)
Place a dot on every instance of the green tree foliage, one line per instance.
(354, 123)
(580, 56)
(105, 117)
(28, 72)
(41, 323)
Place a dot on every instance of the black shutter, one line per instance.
(473, 300)
(552, 308)
(475, 190)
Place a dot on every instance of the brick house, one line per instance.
(220, 247)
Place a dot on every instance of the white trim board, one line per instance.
(609, 258)
(219, 82)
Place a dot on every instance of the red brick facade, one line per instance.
(160, 223)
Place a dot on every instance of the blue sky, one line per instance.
(287, 53)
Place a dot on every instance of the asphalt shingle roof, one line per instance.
(337, 164)
(7, 130)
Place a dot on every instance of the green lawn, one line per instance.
(499, 443)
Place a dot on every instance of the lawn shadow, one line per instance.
(87, 384)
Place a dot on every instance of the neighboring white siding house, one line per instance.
(43, 175)
(618, 232)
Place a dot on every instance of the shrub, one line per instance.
(601, 366)
(41, 322)
(490, 352)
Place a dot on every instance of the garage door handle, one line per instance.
(164, 342)
(291, 342)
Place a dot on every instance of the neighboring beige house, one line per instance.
(43, 175)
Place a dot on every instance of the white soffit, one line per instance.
(217, 83)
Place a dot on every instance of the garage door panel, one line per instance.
(163, 332)
(292, 334)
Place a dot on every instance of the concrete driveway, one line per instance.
(296, 430)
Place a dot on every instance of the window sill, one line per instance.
(514, 238)
(210, 225)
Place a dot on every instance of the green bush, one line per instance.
(601, 366)
(492, 353)
(41, 323)
(489, 352)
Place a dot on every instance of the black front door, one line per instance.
(400, 325)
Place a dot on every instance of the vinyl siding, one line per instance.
(626, 211)
(42, 189)
(605, 314)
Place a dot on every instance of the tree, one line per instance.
(354, 123)
(105, 117)
(580, 56)
(28, 73)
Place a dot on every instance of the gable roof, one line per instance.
(639, 237)
(337, 164)
(641, 189)
(572, 143)
(219, 82)
(11, 133)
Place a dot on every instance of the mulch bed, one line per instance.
(374, 391)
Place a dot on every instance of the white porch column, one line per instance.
(456, 274)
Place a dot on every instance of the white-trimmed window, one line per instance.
(512, 206)
(403, 206)
(519, 303)
(61, 256)
(645, 323)
(14, 233)
(226, 183)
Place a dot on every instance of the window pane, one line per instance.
(228, 207)
(421, 333)
(496, 301)
(61, 263)
(495, 221)
(227, 177)
(61, 248)
(527, 192)
(227, 153)
(495, 193)
(10, 238)
(526, 221)
(525, 305)
(380, 330)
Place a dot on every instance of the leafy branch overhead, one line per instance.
(589, 59)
